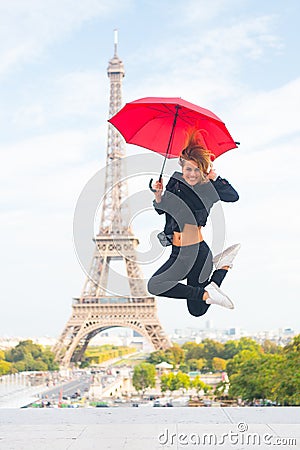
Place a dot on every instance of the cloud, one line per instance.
(49, 171)
(252, 37)
(204, 65)
(30, 26)
(84, 93)
(200, 12)
(216, 45)
(73, 97)
(205, 22)
(266, 117)
(29, 116)
(46, 151)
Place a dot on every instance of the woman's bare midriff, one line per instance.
(190, 235)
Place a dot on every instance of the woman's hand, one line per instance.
(158, 186)
(212, 175)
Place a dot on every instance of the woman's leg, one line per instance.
(200, 276)
(201, 271)
(193, 262)
(218, 276)
(164, 282)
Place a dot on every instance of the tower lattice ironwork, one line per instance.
(97, 310)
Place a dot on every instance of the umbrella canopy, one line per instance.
(160, 124)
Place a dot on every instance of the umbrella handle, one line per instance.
(151, 181)
(150, 185)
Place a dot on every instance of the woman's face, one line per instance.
(191, 172)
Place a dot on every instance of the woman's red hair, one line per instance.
(195, 150)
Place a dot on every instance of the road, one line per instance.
(80, 385)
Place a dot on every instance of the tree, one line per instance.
(23, 349)
(143, 376)
(29, 356)
(206, 351)
(182, 381)
(196, 364)
(172, 382)
(40, 365)
(48, 358)
(293, 346)
(255, 377)
(166, 381)
(218, 364)
(274, 376)
(172, 355)
(212, 349)
(184, 368)
(158, 357)
(193, 350)
(192, 364)
(232, 348)
(287, 384)
(246, 343)
(19, 366)
(270, 347)
(199, 385)
(5, 367)
(175, 354)
(235, 364)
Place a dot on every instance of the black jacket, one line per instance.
(183, 203)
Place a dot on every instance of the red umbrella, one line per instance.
(160, 124)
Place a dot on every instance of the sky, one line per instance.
(237, 58)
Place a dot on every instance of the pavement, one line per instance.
(148, 428)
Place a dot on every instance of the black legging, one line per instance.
(193, 263)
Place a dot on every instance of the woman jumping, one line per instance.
(186, 203)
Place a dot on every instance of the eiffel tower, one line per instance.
(97, 310)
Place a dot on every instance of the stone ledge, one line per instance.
(149, 428)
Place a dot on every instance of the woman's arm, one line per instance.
(164, 201)
(225, 191)
(158, 186)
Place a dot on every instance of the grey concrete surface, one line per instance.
(146, 428)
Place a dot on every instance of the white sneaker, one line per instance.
(226, 257)
(217, 297)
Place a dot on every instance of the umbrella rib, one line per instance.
(183, 112)
(160, 110)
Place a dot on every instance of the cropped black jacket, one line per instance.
(183, 203)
